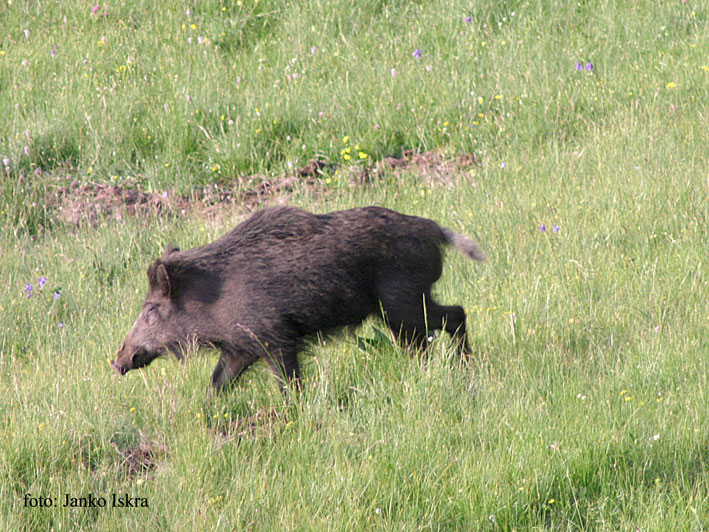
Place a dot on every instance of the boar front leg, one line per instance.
(284, 365)
(229, 367)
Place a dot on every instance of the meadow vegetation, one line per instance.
(586, 406)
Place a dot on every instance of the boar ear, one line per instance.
(159, 279)
(163, 280)
(171, 248)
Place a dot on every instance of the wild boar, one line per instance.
(285, 274)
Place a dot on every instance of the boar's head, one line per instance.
(160, 327)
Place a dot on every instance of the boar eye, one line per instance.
(151, 313)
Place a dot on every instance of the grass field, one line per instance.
(587, 404)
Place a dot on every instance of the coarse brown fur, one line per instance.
(285, 274)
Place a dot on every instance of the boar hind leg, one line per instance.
(452, 318)
(411, 320)
(407, 323)
(229, 368)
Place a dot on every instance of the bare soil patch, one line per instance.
(139, 459)
(265, 423)
(433, 166)
(89, 203)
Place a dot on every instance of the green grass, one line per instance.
(586, 405)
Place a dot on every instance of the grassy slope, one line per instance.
(586, 407)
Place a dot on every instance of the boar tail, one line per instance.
(463, 244)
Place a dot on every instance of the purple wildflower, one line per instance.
(503, 165)
(57, 294)
(579, 65)
(41, 282)
(417, 53)
(468, 19)
(28, 290)
(543, 228)
(60, 325)
(589, 66)
(556, 228)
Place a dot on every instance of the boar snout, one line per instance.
(124, 360)
(121, 370)
(131, 357)
(128, 359)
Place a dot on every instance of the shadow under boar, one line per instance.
(285, 274)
